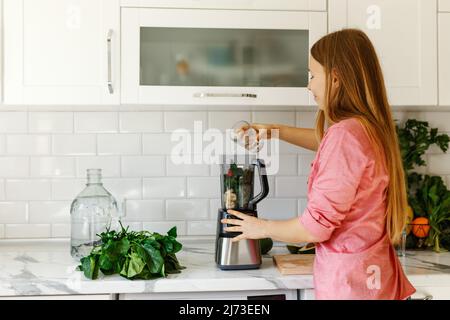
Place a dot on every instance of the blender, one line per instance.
(237, 192)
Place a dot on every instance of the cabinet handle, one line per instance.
(108, 41)
(224, 95)
(427, 297)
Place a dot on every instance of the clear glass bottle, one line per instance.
(92, 212)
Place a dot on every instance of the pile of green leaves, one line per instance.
(427, 195)
(231, 178)
(133, 255)
(432, 200)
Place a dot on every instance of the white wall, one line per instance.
(43, 157)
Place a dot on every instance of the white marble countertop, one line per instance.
(46, 268)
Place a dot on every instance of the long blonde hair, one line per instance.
(362, 94)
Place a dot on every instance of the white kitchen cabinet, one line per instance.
(1, 50)
(404, 35)
(422, 293)
(218, 295)
(62, 297)
(61, 52)
(431, 293)
(444, 5)
(306, 294)
(302, 5)
(217, 57)
(444, 59)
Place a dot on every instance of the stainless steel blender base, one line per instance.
(244, 254)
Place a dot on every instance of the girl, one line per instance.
(356, 190)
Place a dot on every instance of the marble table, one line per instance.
(45, 267)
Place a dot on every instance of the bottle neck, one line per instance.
(94, 179)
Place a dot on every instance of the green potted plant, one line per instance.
(427, 195)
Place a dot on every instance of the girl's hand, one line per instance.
(263, 131)
(251, 227)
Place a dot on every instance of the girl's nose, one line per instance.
(309, 86)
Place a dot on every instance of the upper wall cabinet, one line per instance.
(444, 5)
(302, 5)
(444, 58)
(61, 51)
(217, 57)
(404, 34)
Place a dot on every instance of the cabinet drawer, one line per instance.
(301, 5)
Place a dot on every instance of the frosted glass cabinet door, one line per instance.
(57, 51)
(404, 34)
(182, 56)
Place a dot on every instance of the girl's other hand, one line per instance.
(251, 227)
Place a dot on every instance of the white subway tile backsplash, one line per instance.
(2, 189)
(440, 120)
(184, 120)
(306, 119)
(60, 230)
(214, 170)
(275, 117)
(20, 231)
(157, 144)
(49, 211)
(287, 165)
(288, 148)
(304, 164)
(201, 228)
(134, 154)
(187, 209)
(174, 169)
(132, 226)
(144, 210)
(400, 116)
(277, 209)
(96, 122)
(51, 122)
(164, 227)
(28, 145)
(67, 189)
(14, 167)
(13, 122)
(28, 189)
(439, 164)
(214, 206)
(137, 122)
(2, 144)
(166, 187)
(110, 165)
(119, 144)
(53, 167)
(287, 187)
(81, 144)
(143, 166)
(302, 204)
(208, 187)
(226, 119)
(124, 188)
(13, 212)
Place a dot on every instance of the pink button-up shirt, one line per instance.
(345, 211)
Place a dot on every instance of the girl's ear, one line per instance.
(335, 82)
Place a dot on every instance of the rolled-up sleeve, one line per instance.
(340, 167)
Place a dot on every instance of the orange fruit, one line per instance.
(420, 227)
(409, 219)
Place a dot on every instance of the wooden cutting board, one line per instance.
(294, 263)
